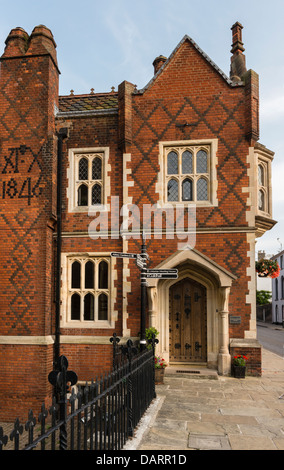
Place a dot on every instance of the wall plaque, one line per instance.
(235, 319)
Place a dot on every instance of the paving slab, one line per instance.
(222, 413)
(251, 443)
(208, 442)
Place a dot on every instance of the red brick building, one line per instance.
(71, 167)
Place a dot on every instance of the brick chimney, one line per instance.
(28, 149)
(158, 63)
(42, 42)
(16, 43)
(238, 59)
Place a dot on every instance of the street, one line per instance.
(271, 337)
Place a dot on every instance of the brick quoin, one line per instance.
(189, 100)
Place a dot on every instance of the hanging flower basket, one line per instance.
(267, 268)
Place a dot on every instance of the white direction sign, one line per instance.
(140, 261)
(123, 255)
(160, 274)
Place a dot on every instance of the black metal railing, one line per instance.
(100, 415)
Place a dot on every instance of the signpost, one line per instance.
(123, 255)
(141, 263)
(160, 273)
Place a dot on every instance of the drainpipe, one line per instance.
(143, 297)
(61, 135)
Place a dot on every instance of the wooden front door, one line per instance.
(188, 322)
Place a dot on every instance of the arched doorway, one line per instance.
(215, 282)
(187, 322)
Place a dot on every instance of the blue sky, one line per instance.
(100, 43)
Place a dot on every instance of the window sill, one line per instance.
(186, 204)
(85, 340)
(90, 209)
(87, 325)
(263, 223)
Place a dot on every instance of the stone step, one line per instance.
(191, 372)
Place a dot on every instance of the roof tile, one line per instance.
(93, 102)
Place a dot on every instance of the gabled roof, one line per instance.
(201, 52)
(101, 103)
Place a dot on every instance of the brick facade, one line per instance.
(189, 100)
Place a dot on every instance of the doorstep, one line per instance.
(191, 371)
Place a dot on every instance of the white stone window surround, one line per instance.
(211, 145)
(66, 291)
(264, 160)
(74, 155)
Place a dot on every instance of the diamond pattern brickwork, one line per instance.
(27, 168)
(217, 112)
(159, 122)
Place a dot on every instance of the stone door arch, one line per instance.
(217, 281)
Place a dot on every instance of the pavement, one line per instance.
(204, 411)
(195, 409)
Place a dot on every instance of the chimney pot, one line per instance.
(16, 43)
(41, 42)
(158, 63)
(238, 59)
(238, 45)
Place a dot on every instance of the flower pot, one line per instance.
(159, 376)
(239, 372)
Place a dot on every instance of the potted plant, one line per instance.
(239, 366)
(160, 365)
(267, 268)
(149, 334)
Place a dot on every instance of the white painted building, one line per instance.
(278, 291)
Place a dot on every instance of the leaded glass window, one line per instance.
(260, 175)
(201, 162)
(96, 194)
(89, 289)
(103, 275)
(89, 275)
(83, 195)
(202, 192)
(187, 167)
(75, 307)
(263, 190)
(191, 167)
(172, 163)
(97, 169)
(89, 305)
(173, 190)
(90, 172)
(83, 169)
(261, 200)
(76, 275)
(102, 307)
(187, 190)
